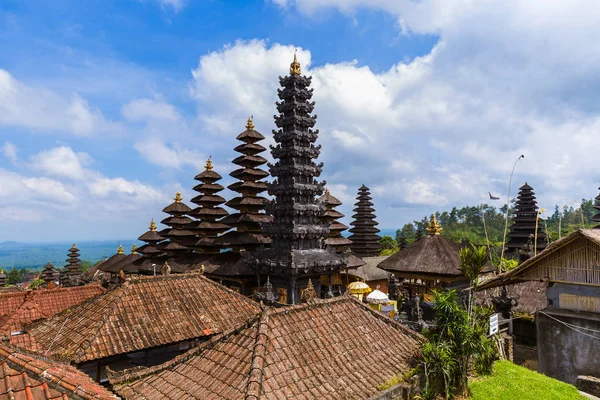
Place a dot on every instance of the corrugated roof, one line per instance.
(337, 348)
(142, 313)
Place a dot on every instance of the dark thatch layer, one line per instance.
(530, 296)
(434, 254)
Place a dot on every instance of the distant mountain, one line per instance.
(10, 243)
(36, 255)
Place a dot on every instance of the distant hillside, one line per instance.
(31, 255)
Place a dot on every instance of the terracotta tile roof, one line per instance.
(18, 309)
(31, 377)
(335, 349)
(142, 313)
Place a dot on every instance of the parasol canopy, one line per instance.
(377, 297)
(359, 288)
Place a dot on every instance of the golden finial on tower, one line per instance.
(134, 249)
(295, 66)
(250, 125)
(208, 165)
(152, 226)
(434, 227)
(326, 192)
(120, 249)
(178, 197)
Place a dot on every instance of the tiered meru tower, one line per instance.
(331, 216)
(73, 268)
(152, 238)
(365, 240)
(250, 205)
(297, 250)
(177, 233)
(525, 220)
(209, 210)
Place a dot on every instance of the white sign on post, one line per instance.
(494, 324)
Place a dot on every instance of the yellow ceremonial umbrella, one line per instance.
(359, 288)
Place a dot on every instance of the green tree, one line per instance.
(454, 343)
(13, 276)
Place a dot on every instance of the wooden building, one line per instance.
(567, 327)
(326, 349)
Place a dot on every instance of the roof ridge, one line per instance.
(135, 373)
(194, 274)
(415, 335)
(117, 301)
(255, 376)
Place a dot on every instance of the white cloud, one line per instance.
(16, 189)
(40, 109)
(177, 5)
(106, 187)
(506, 78)
(147, 109)
(157, 152)
(62, 162)
(9, 150)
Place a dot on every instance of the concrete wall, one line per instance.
(564, 353)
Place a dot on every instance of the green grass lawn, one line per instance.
(512, 382)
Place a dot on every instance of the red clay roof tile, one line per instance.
(142, 313)
(303, 352)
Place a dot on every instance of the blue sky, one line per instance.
(109, 107)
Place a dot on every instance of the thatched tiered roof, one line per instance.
(250, 205)
(209, 210)
(177, 233)
(331, 217)
(524, 225)
(365, 240)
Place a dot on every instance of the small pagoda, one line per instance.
(250, 205)
(151, 238)
(298, 234)
(596, 218)
(177, 234)
(331, 217)
(73, 268)
(524, 223)
(48, 274)
(365, 240)
(209, 210)
(2, 278)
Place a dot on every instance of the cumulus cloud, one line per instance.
(505, 78)
(43, 110)
(148, 109)
(157, 152)
(9, 150)
(62, 162)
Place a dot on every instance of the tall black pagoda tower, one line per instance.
(365, 240)
(297, 250)
(523, 227)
